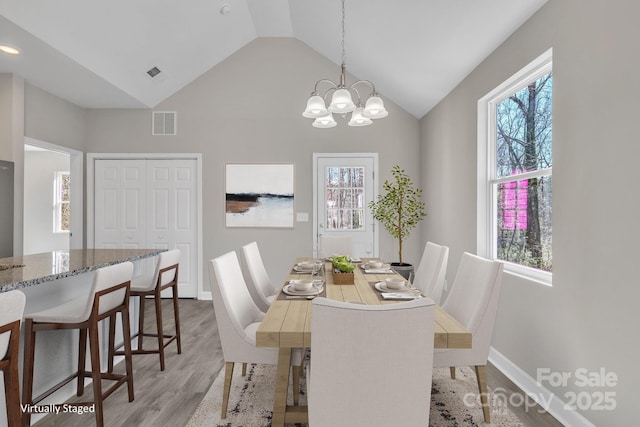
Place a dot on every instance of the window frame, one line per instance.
(57, 202)
(486, 172)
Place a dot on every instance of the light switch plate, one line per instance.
(302, 217)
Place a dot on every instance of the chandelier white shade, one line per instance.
(342, 100)
(324, 122)
(374, 108)
(358, 118)
(315, 107)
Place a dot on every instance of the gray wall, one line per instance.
(589, 318)
(54, 120)
(11, 143)
(248, 109)
(40, 168)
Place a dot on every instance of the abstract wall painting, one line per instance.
(259, 195)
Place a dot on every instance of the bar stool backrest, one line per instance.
(11, 309)
(166, 259)
(105, 278)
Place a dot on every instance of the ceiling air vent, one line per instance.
(164, 123)
(154, 71)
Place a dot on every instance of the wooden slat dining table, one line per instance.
(287, 325)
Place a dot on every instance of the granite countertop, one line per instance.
(29, 270)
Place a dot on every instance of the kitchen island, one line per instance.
(52, 278)
(30, 270)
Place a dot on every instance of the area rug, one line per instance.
(454, 403)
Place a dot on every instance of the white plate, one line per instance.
(382, 287)
(291, 290)
(302, 269)
(368, 266)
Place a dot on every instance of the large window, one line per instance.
(62, 205)
(515, 171)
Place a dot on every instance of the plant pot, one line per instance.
(402, 269)
(340, 278)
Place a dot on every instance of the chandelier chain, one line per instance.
(344, 54)
(342, 101)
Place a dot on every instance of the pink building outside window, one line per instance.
(514, 214)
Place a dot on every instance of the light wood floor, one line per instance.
(169, 398)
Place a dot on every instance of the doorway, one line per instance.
(344, 184)
(53, 188)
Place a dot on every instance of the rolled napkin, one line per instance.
(398, 296)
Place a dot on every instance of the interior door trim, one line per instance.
(76, 168)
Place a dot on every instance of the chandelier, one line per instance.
(342, 101)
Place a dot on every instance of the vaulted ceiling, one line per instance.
(97, 54)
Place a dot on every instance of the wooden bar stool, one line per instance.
(109, 295)
(11, 310)
(165, 276)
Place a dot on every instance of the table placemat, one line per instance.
(379, 294)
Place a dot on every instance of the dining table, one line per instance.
(287, 324)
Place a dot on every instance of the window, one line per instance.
(515, 172)
(345, 198)
(62, 206)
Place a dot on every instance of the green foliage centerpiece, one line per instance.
(400, 208)
(342, 270)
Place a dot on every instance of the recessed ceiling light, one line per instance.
(9, 49)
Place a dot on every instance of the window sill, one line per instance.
(530, 274)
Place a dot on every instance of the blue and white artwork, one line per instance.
(259, 195)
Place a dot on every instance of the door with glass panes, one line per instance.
(344, 184)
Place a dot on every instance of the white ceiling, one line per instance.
(96, 54)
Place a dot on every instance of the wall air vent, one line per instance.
(164, 123)
(154, 71)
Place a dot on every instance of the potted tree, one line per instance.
(399, 210)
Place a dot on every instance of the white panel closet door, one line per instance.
(172, 215)
(120, 204)
(149, 204)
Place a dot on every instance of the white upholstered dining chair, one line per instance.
(238, 318)
(430, 275)
(332, 245)
(473, 301)
(369, 365)
(261, 287)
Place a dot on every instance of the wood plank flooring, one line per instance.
(169, 398)
(166, 398)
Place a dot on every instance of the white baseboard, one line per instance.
(544, 397)
(206, 296)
